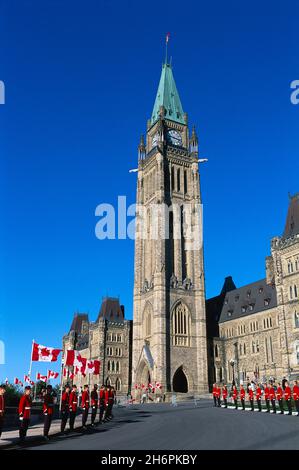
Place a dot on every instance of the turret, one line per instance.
(141, 149)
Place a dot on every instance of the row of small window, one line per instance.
(117, 351)
(248, 295)
(113, 366)
(254, 326)
(293, 265)
(249, 307)
(293, 292)
(112, 337)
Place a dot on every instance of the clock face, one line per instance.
(174, 137)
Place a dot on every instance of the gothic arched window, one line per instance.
(181, 322)
(118, 385)
(147, 322)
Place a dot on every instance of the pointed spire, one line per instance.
(168, 98)
(141, 148)
(193, 141)
(292, 222)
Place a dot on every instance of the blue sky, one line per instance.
(81, 79)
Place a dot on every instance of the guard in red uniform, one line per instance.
(279, 396)
(2, 407)
(296, 395)
(224, 395)
(242, 397)
(215, 394)
(65, 399)
(107, 391)
(48, 410)
(94, 403)
(272, 397)
(258, 397)
(235, 396)
(218, 395)
(85, 405)
(250, 396)
(24, 412)
(73, 405)
(288, 397)
(102, 403)
(266, 395)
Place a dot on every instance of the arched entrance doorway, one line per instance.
(180, 383)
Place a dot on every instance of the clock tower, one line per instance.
(169, 334)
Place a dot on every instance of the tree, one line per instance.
(12, 394)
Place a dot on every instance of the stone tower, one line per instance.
(169, 334)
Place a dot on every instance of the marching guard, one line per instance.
(94, 403)
(25, 412)
(2, 407)
(250, 395)
(73, 405)
(215, 394)
(272, 397)
(266, 396)
(296, 395)
(235, 396)
(48, 409)
(65, 407)
(85, 405)
(102, 395)
(242, 397)
(218, 395)
(279, 396)
(258, 397)
(224, 395)
(288, 397)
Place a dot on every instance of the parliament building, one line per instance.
(178, 337)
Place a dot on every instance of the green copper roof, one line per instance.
(167, 96)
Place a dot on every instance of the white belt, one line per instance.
(75, 402)
(27, 407)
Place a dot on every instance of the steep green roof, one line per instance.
(167, 96)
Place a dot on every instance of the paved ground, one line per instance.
(160, 426)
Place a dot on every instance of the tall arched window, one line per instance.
(178, 174)
(147, 322)
(181, 325)
(118, 385)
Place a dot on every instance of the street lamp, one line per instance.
(232, 363)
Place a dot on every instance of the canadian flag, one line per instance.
(93, 367)
(27, 379)
(71, 376)
(17, 381)
(31, 382)
(6, 381)
(158, 385)
(150, 386)
(136, 386)
(41, 377)
(142, 386)
(52, 374)
(44, 354)
(65, 371)
(74, 358)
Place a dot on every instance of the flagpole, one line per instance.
(61, 379)
(30, 367)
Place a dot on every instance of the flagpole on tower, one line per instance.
(166, 47)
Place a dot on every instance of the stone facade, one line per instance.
(169, 344)
(259, 323)
(108, 339)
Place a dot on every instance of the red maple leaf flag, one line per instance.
(74, 358)
(16, 381)
(44, 353)
(52, 374)
(41, 377)
(27, 379)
